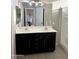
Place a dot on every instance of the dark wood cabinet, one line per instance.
(35, 43)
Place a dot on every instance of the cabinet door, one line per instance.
(49, 41)
(29, 39)
(27, 44)
(20, 45)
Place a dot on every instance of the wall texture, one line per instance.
(64, 28)
(47, 14)
(13, 19)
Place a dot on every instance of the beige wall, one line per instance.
(13, 24)
(56, 23)
(48, 14)
(64, 28)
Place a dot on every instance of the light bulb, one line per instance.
(36, 4)
(27, 1)
(39, 2)
(30, 4)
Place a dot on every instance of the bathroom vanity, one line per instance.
(35, 40)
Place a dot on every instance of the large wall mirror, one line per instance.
(34, 15)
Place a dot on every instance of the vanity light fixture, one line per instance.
(36, 4)
(30, 3)
(40, 3)
(27, 1)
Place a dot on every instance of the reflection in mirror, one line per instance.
(29, 17)
(18, 15)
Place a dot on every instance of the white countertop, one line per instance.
(34, 29)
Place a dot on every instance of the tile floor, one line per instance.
(57, 54)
